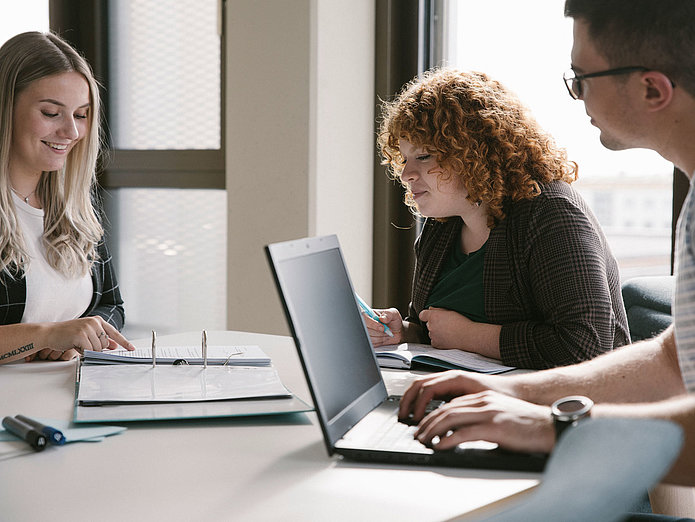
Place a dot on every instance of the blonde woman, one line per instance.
(58, 290)
(511, 263)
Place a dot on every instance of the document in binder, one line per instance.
(107, 384)
(136, 392)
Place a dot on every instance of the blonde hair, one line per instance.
(479, 132)
(72, 228)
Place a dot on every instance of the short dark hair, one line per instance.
(657, 34)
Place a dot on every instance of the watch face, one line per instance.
(570, 406)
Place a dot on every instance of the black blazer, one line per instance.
(106, 299)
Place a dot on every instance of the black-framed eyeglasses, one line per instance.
(573, 81)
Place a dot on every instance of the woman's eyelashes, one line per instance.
(55, 114)
(419, 157)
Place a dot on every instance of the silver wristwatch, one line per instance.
(568, 411)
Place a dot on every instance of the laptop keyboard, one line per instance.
(396, 436)
(384, 430)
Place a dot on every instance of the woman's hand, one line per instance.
(447, 328)
(389, 317)
(64, 339)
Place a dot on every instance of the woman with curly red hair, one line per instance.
(510, 263)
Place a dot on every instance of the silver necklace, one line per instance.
(25, 198)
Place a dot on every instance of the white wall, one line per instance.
(300, 141)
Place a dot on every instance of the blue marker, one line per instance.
(53, 435)
(371, 313)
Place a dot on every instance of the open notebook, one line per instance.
(423, 356)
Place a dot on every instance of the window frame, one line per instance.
(87, 28)
(402, 50)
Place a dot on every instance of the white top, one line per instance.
(684, 299)
(51, 297)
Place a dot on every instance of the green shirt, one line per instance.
(460, 284)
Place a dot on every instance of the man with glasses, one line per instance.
(633, 66)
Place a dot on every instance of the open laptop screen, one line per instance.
(327, 326)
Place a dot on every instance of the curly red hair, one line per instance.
(479, 132)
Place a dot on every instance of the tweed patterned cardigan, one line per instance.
(549, 279)
(106, 297)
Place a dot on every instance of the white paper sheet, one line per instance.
(125, 383)
(217, 354)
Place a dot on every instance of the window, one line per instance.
(164, 87)
(28, 15)
(526, 45)
(164, 201)
(170, 247)
(161, 67)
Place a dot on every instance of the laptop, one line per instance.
(357, 416)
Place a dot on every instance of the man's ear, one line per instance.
(658, 90)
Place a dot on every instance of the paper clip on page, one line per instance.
(371, 313)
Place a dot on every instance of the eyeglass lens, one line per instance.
(573, 84)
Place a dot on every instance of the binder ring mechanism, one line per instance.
(184, 362)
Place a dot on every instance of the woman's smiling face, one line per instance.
(50, 116)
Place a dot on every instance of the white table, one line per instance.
(271, 468)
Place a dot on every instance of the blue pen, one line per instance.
(371, 313)
(53, 435)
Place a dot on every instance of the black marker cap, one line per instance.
(35, 439)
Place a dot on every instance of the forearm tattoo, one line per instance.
(17, 351)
